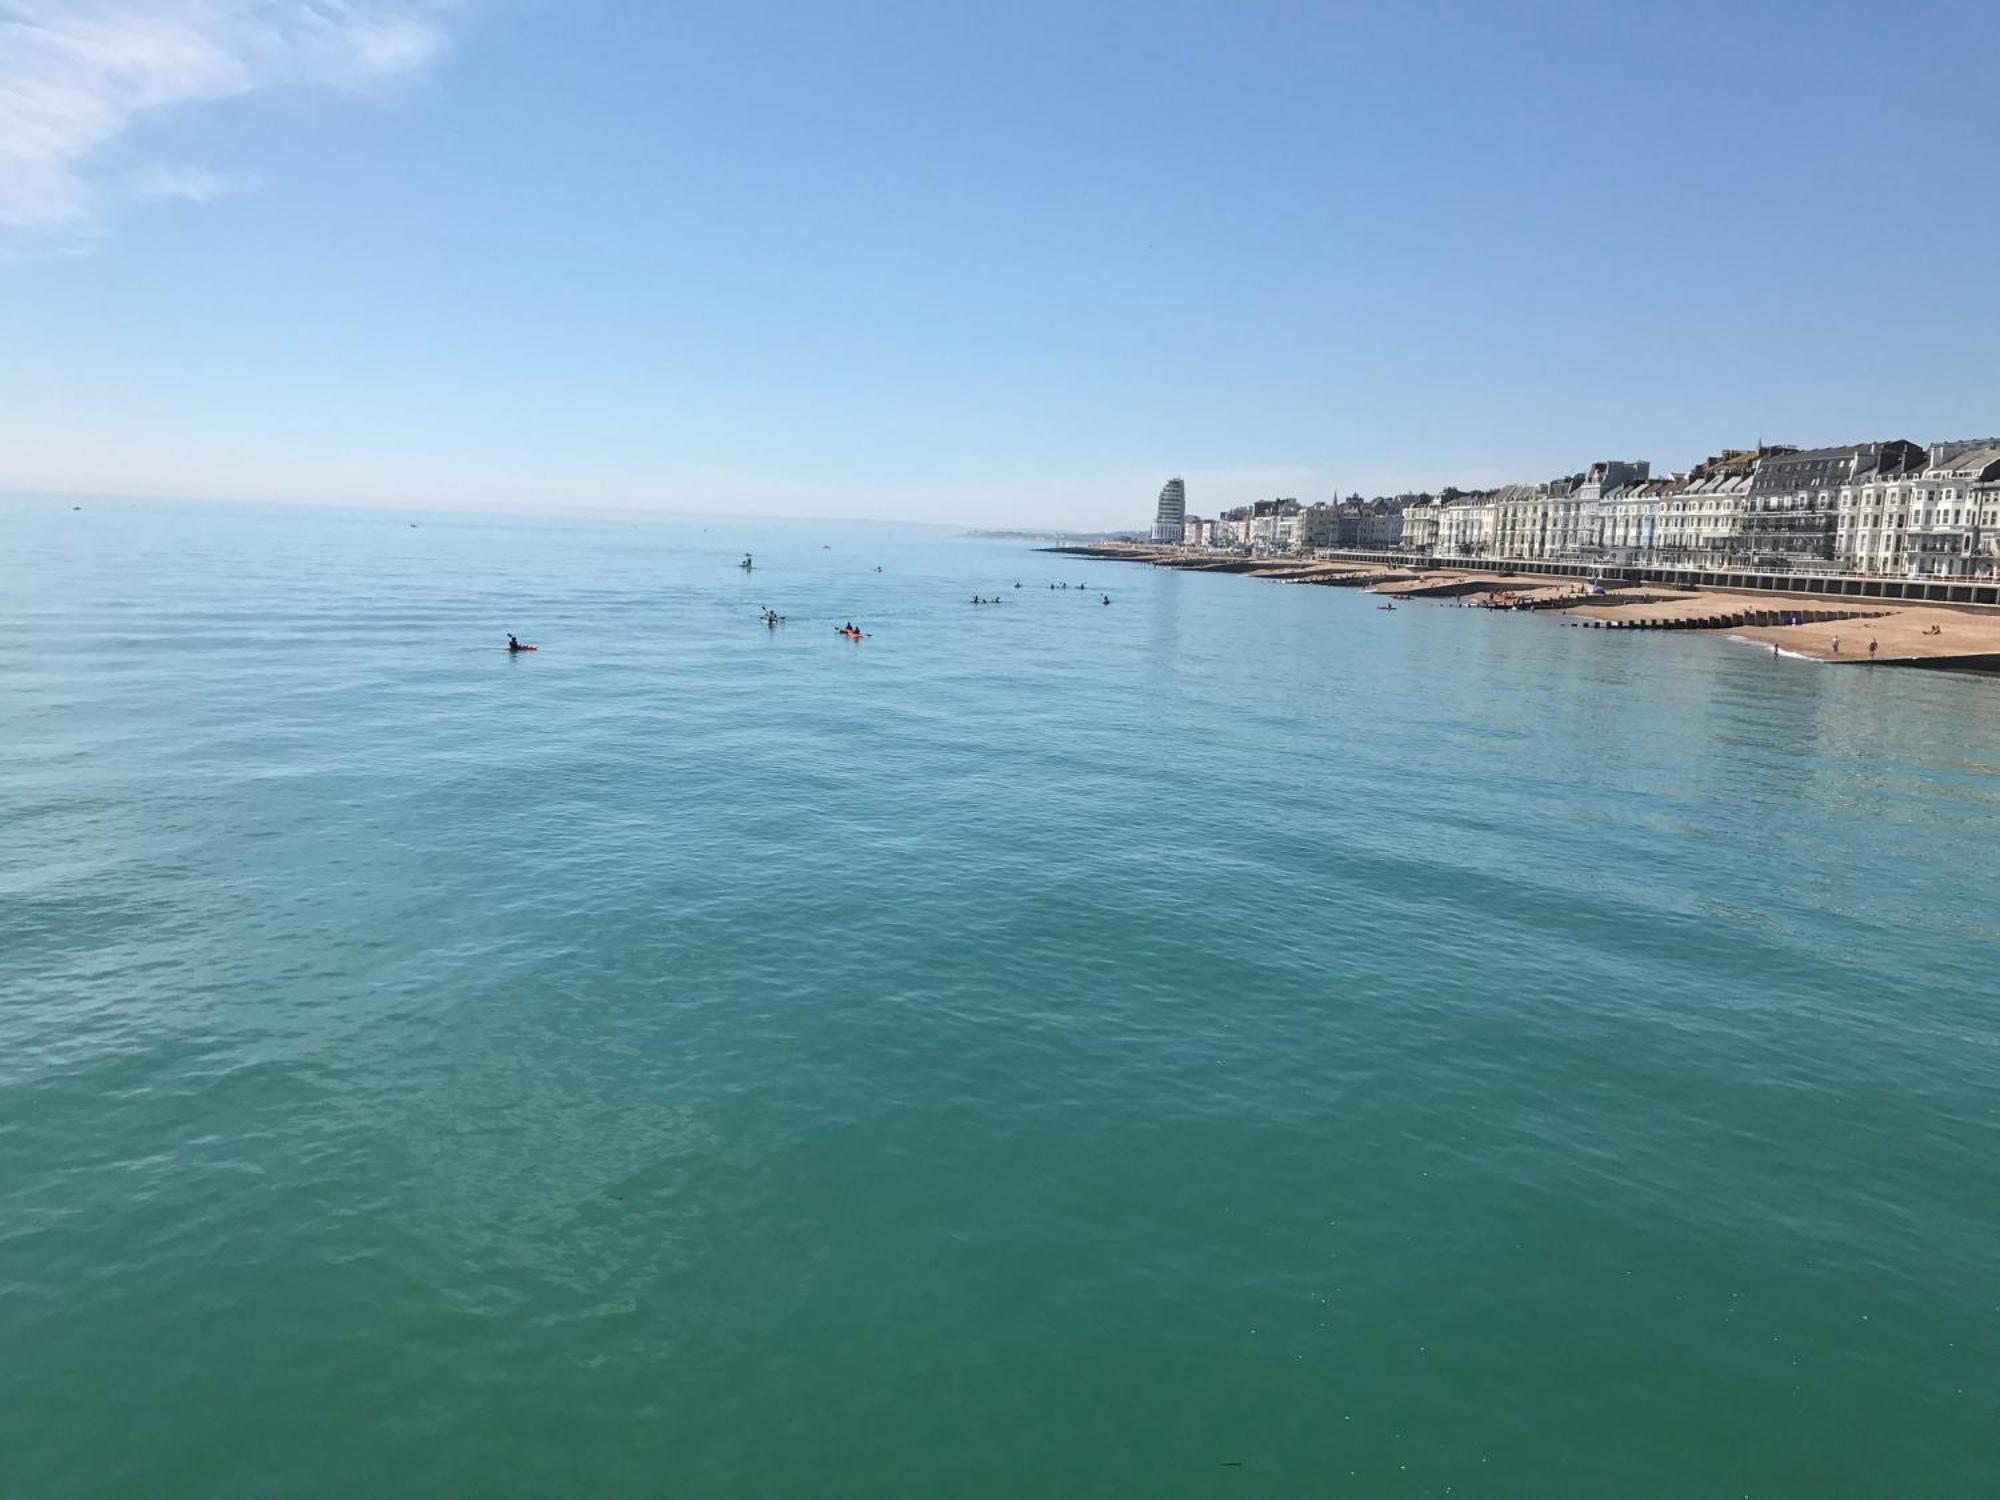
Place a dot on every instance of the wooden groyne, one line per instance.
(1738, 620)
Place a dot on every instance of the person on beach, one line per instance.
(1836, 645)
(1872, 645)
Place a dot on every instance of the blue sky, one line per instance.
(996, 264)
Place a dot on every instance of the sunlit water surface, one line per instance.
(1231, 1042)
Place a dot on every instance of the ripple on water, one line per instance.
(1043, 1049)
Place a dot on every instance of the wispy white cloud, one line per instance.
(78, 76)
(165, 180)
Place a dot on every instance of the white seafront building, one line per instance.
(1695, 520)
(1170, 519)
(1934, 523)
(1420, 526)
(1577, 521)
(1465, 524)
(1628, 520)
(1276, 526)
(1986, 501)
(1791, 512)
(1521, 521)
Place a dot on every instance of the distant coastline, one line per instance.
(1076, 538)
(1808, 619)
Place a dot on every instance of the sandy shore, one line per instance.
(1927, 634)
(1935, 637)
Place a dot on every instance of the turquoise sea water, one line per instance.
(1231, 1043)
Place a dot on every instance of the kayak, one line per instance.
(512, 649)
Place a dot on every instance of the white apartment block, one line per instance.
(1465, 526)
(1521, 520)
(1936, 523)
(1695, 523)
(1420, 526)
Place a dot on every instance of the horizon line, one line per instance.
(502, 508)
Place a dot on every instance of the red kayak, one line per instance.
(512, 649)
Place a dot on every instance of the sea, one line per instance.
(1228, 1041)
